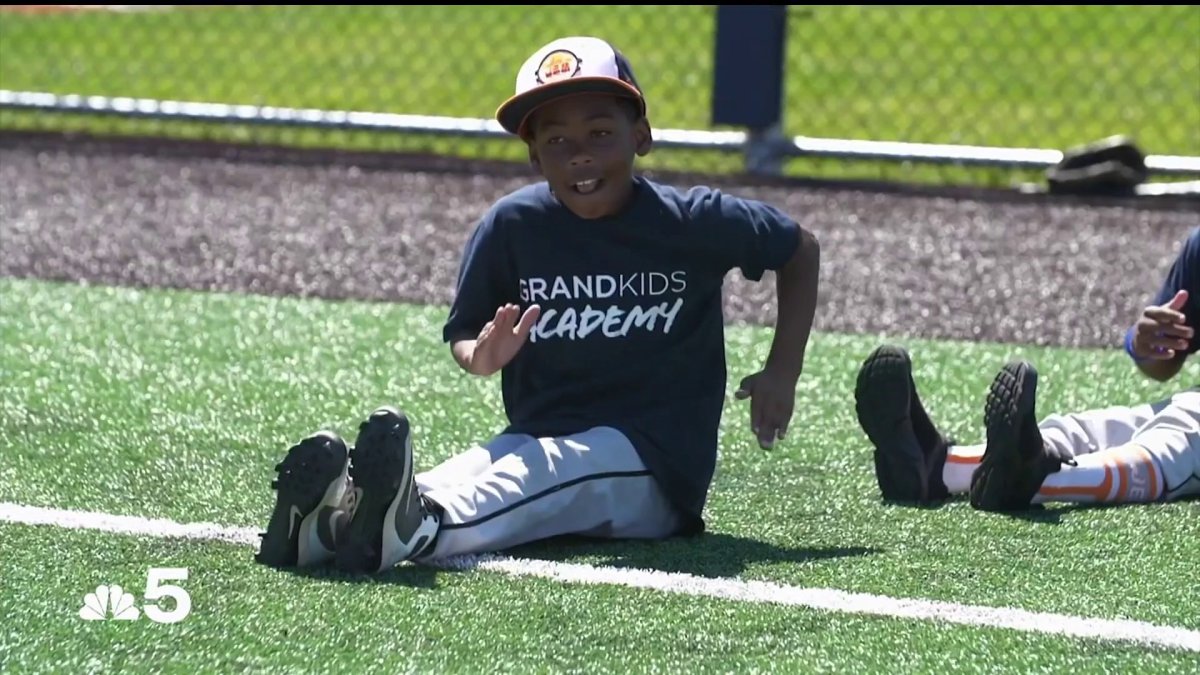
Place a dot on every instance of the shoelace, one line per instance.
(432, 508)
(1057, 455)
(349, 501)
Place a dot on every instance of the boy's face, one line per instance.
(585, 146)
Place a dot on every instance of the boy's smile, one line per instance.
(585, 146)
(585, 187)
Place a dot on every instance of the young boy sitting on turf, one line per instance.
(596, 293)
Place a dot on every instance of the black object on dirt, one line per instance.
(1112, 166)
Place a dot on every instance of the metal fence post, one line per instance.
(748, 73)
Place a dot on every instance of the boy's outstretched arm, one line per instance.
(772, 391)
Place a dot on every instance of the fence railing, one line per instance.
(982, 85)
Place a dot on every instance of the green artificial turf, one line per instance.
(174, 404)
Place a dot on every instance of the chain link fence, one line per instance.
(1041, 77)
(994, 75)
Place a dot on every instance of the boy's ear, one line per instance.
(533, 156)
(642, 137)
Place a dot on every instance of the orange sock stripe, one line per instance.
(1098, 493)
(963, 459)
(1156, 484)
(1123, 488)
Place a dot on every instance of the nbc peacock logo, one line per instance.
(109, 600)
(162, 602)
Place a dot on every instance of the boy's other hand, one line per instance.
(1162, 330)
(772, 400)
(502, 337)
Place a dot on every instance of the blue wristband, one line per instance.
(1129, 345)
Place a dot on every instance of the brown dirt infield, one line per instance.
(897, 260)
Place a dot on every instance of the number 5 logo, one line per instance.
(156, 589)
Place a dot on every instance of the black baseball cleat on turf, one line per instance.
(392, 522)
(312, 502)
(1016, 460)
(910, 452)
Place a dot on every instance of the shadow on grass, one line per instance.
(413, 576)
(924, 506)
(706, 555)
(1051, 514)
(712, 555)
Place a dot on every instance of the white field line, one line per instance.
(118, 8)
(59, 9)
(1137, 632)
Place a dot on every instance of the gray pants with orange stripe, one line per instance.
(1125, 454)
(517, 489)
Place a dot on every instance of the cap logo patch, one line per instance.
(558, 65)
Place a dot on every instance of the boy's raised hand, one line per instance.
(1162, 330)
(501, 338)
(772, 400)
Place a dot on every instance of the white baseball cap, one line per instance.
(569, 65)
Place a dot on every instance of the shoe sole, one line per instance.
(382, 474)
(311, 474)
(883, 396)
(1010, 402)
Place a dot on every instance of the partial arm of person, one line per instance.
(1159, 341)
(485, 327)
(1162, 337)
(796, 283)
(497, 343)
(1162, 370)
(772, 391)
(754, 236)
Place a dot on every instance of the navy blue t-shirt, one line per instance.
(631, 332)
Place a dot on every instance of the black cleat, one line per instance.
(909, 450)
(310, 503)
(392, 521)
(1016, 461)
